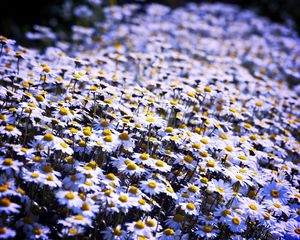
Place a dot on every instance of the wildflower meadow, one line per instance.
(154, 123)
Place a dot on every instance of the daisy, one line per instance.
(236, 222)
(152, 187)
(222, 188)
(6, 233)
(275, 191)
(115, 233)
(8, 207)
(207, 231)
(69, 198)
(252, 208)
(138, 228)
(10, 131)
(175, 222)
(9, 165)
(189, 208)
(292, 230)
(277, 207)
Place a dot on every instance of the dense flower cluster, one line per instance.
(174, 125)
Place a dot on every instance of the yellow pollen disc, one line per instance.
(236, 221)
(150, 223)
(229, 148)
(64, 145)
(275, 193)
(169, 130)
(178, 218)
(207, 229)
(69, 196)
(144, 156)
(9, 128)
(211, 163)
(117, 231)
(131, 166)
(190, 206)
(111, 176)
(34, 175)
(123, 198)
(124, 136)
(150, 119)
(63, 111)
(108, 139)
(169, 232)
(193, 189)
(8, 162)
(160, 163)
(152, 184)
(79, 217)
(106, 132)
(139, 225)
(38, 231)
(223, 136)
(142, 201)
(226, 212)
(188, 158)
(239, 177)
(133, 190)
(2, 231)
(220, 190)
(277, 205)
(253, 207)
(204, 180)
(48, 137)
(73, 231)
(5, 202)
(170, 190)
(47, 168)
(85, 207)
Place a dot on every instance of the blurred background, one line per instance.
(18, 17)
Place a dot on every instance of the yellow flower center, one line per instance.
(188, 158)
(236, 221)
(63, 144)
(108, 138)
(8, 162)
(9, 128)
(63, 111)
(144, 156)
(178, 218)
(5, 202)
(131, 166)
(85, 207)
(193, 189)
(2, 230)
(111, 176)
(73, 231)
(139, 225)
(152, 184)
(239, 177)
(124, 136)
(253, 207)
(150, 223)
(277, 205)
(211, 163)
(207, 229)
(79, 217)
(225, 212)
(48, 137)
(142, 201)
(275, 193)
(34, 175)
(69, 196)
(220, 190)
(123, 198)
(160, 163)
(117, 231)
(229, 148)
(169, 232)
(190, 206)
(38, 231)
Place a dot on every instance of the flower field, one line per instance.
(173, 124)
